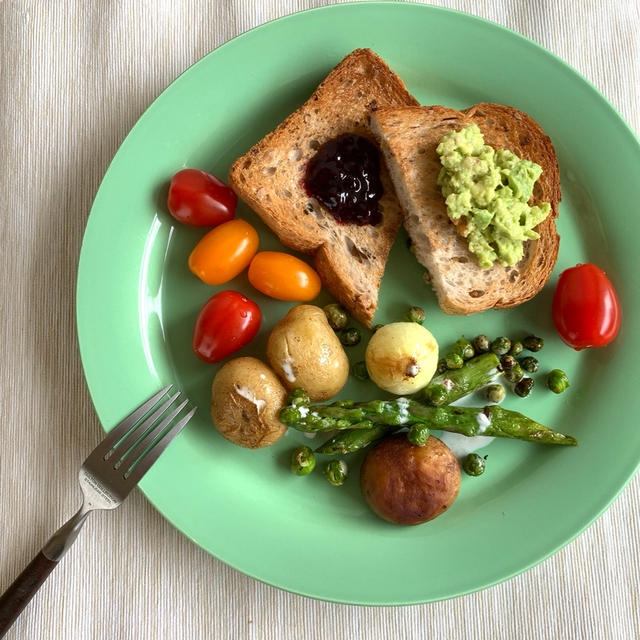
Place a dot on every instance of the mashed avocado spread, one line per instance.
(489, 190)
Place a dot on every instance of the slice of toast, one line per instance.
(269, 178)
(408, 138)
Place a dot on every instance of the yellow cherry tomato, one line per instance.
(284, 277)
(224, 252)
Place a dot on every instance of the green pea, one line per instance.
(529, 364)
(473, 464)
(557, 380)
(418, 434)
(533, 343)
(508, 362)
(481, 343)
(303, 462)
(335, 472)
(464, 348)
(495, 393)
(359, 370)
(500, 346)
(454, 361)
(442, 366)
(350, 337)
(516, 348)
(435, 395)
(415, 314)
(298, 397)
(515, 374)
(523, 388)
(336, 316)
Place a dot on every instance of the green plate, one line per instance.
(137, 303)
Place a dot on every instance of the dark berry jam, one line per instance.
(344, 176)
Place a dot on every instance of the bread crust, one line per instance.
(269, 178)
(408, 137)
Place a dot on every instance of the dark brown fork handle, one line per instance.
(24, 587)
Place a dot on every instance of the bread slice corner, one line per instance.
(408, 137)
(350, 259)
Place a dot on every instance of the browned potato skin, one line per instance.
(316, 360)
(243, 422)
(406, 484)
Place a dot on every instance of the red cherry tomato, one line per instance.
(586, 310)
(224, 252)
(199, 199)
(284, 277)
(227, 322)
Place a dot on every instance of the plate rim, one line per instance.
(364, 6)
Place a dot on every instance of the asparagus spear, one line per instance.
(488, 421)
(353, 440)
(451, 385)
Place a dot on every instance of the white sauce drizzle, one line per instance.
(287, 369)
(304, 411)
(483, 422)
(247, 394)
(447, 384)
(462, 445)
(403, 406)
(413, 370)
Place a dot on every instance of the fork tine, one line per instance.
(122, 448)
(116, 434)
(154, 453)
(146, 436)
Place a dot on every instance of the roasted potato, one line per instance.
(246, 398)
(407, 484)
(305, 352)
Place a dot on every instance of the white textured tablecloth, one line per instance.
(74, 77)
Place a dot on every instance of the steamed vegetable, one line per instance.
(475, 373)
(406, 484)
(246, 398)
(557, 380)
(305, 352)
(491, 420)
(402, 357)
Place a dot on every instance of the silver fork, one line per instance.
(106, 478)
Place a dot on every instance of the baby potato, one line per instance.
(305, 352)
(402, 357)
(407, 484)
(246, 398)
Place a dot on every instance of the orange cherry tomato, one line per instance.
(284, 277)
(224, 252)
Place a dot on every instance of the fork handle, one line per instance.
(24, 587)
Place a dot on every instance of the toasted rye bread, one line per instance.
(408, 137)
(269, 178)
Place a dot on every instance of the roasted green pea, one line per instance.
(435, 395)
(557, 380)
(463, 348)
(359, 371)
(507, 362)
(415, 314)
(481, 343)
(418, 434)
(523, 388)
(515, 374)
(500, 346)
(336, 316)
(516, 348)
(473, 464)
(303, 462)
(335, 472)
(442, 366)
(529, 364)
(454, 361)
(350, 337)
(495, 393)
(533, 343)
